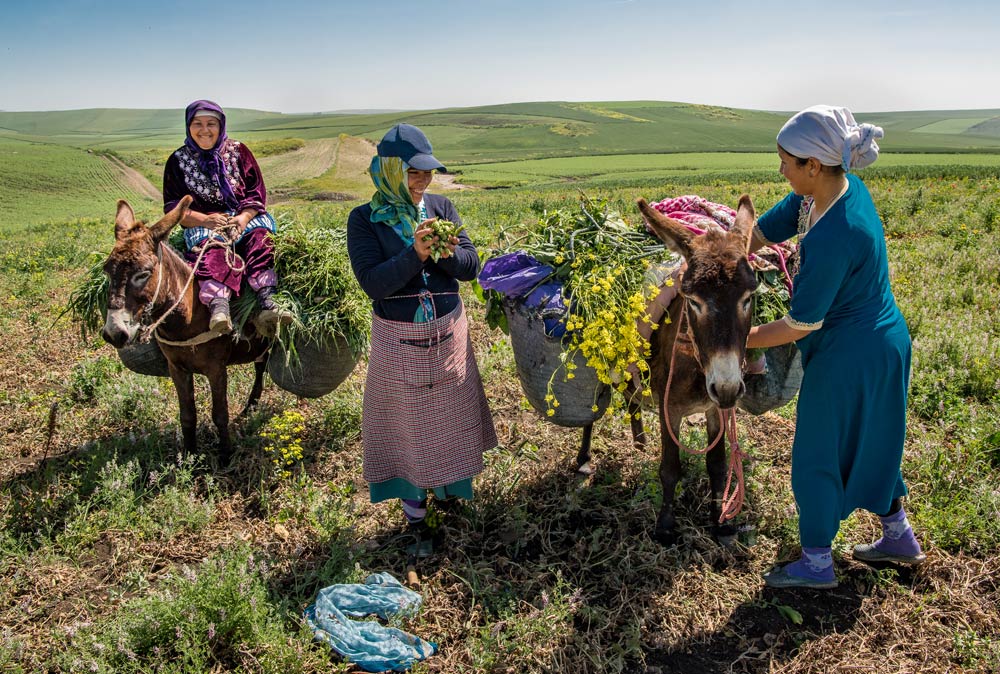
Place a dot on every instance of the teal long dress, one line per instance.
(851, 416)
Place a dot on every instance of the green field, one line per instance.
(51, 168)
(117, 555)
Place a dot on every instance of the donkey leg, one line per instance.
(717, 464)
(635, 422)
(184, 385)
(218, 380)
(583, 457)
(259, 366)
(670, 473)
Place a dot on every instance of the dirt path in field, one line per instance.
(356, 155)
(310, 161)
(132, 179)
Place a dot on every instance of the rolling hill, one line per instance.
(54, 162)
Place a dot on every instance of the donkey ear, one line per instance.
(124, 220)
(743, 226)
(161, 229)
(670, 231)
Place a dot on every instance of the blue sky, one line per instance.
(302, 56)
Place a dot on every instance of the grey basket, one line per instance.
(537, 358)
(144, 358)
(778, 385)
(315, 370)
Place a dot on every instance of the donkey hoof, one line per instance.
(668, 538)
(585, 469)
(724, 534)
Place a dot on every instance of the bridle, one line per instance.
(731, 504)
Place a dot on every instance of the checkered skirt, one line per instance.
(425, 417)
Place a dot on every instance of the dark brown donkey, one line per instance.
(705, 345)
(148, 278)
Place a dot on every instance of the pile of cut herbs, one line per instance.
(604, 267)
(600, 260)
(315, 283)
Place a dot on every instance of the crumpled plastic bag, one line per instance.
(370, 645)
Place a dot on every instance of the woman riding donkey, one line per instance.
(426, 421)
(228, 216)
(851, 418)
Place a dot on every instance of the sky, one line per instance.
(315, 56)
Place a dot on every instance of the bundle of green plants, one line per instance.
(315, 283)
(601, 262)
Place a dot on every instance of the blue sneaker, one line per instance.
(780, 578)
(869, 552)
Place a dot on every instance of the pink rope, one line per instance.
(731, 504)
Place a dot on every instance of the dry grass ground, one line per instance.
(548, 572)
(545, 572)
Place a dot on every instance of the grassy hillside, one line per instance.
(48, 172)
(45, 182)
(518, 130)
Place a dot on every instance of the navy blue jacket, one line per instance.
(389, 269)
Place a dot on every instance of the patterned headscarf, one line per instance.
(831, 135)
(210, 161)
(392, 204)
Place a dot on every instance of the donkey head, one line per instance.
(133, 269)
(718, 290)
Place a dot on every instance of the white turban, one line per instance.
(831, 135)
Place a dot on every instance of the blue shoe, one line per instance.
(868, 552)
(780, 578)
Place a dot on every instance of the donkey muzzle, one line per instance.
(724, 379)
(119, 328)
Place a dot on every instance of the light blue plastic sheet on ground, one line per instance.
(371, 646)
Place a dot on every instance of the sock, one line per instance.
(414, 510)
(897, 536)
(262, 279)
(815, 564)
(209, 289)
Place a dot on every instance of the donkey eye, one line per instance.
(694, 305)
(140, 278)
(746, 304)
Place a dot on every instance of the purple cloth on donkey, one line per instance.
(520, 276)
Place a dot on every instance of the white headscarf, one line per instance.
(831, 135)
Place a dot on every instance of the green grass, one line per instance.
(111, 547)
(46, 182)
(649, 167)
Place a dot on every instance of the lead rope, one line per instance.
(211, 242)
(731, 504)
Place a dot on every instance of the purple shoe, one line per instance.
(780, 578)
(869, 552)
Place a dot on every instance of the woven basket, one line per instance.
(537, 357)
(144, 358)
(317, 370)
(778, 385)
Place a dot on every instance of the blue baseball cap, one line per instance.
(411, 145)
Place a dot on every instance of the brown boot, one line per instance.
(271, 315)
(220, 321)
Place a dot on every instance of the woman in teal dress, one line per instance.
(855, 346)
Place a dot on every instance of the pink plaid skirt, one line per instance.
(425, 419)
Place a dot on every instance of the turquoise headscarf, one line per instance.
(392, 204)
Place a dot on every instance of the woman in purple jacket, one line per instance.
(224, 179)
(426, 421)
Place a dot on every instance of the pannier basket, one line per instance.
(144, 358)
(777, 385)
(315, 369)
(537, 357)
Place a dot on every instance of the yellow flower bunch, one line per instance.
(601, 261)
(283, 440)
